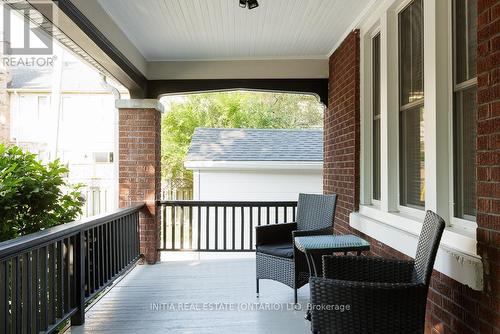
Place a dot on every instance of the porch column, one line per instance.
(139, 167)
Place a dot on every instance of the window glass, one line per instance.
(411, 74)
(465, 108)
(376, 115)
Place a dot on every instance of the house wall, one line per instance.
(252, 185)
(452, 307)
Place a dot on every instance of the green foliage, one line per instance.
(31, 194)
(230, 110)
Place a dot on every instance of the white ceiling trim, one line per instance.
(355, 24)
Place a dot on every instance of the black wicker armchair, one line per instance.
(376, 295)
(276, 257)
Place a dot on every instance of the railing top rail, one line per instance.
(26, 242)
(227, 203)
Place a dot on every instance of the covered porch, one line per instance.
(386, 157)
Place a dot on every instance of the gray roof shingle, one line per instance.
(209, 144)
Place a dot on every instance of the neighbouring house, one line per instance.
(65, 111)
(255, 164)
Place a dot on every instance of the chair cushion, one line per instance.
(278, 249)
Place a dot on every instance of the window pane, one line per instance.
(411, 146)
(376, 159)
(412, 169)
(411, 56)
(376, 74)
(465, 114)
(460, 42)
(376, 115)
(472, 36)
(417, 51)
(405, 55)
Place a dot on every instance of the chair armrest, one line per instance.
(369, 307)
(268, 234)
(322, 231)
(368, 269)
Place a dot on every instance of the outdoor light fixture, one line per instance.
(251, 4)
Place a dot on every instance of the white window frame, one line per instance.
(385, 220)
(468, 225)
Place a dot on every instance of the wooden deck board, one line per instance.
(127, 307)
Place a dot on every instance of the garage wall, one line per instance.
(262, 185)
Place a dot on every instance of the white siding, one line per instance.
(252, 185)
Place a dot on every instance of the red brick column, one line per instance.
(139, 167)
(341, 131)
(488, 157)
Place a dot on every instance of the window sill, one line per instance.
(457, 256)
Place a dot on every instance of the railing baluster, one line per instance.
(67, 277)
(242, 228)
(276, 221)
(164, 225)
(60, 280)
(190, 227)
(250, 228)
(14, 301)
(98, 257)
(43, 289)
(259, 218)
(199, 228)
(294, 209)
(267, 215)
(4, 296)
(182, 227)
(88, 276)
(207, 229)
(233, 230)
(52, 283)
(225, 226)
(172, 213)
(285, 218)
(35, 292)
(25, 291)
(216, 227)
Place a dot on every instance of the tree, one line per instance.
(31, 194)
(230, 110)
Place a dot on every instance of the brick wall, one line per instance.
(341, 130)
(139, 171)
(452, 307)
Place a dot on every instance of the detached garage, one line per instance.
(255, 164)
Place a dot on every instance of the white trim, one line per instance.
(249, 165)
(139, 104)
(456, 257)
(355, 24)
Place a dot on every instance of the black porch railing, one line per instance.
(47, 277)
(218, 226)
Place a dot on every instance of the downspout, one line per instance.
(116, 94)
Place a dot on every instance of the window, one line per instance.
(464, 108)
(103, 157)
(376, 115)
(411, 106)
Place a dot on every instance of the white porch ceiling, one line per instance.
(167, 30)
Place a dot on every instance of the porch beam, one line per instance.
(319, 87)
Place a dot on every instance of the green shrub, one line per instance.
(33, 196)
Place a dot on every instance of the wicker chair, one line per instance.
(384, 295)
(276, 257)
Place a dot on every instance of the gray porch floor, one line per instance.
(228, 283)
